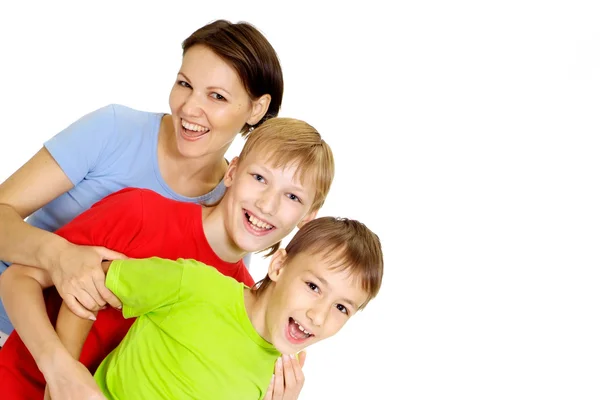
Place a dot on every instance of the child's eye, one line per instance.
(217, 96)
(259, 177)
(184, 84)
(293, 197)
(312, 287)
(342, 309)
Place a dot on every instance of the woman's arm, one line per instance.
(31, 187)
(75, 270)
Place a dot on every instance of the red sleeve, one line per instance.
(113, 222)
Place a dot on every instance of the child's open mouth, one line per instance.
(296, 333)
(257, 224)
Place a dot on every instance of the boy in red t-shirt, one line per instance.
(279, 181)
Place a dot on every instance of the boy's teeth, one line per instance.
(302, 328)
(257, 222)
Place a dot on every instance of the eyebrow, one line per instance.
(267, 169)
(326, 284)
(210, 87)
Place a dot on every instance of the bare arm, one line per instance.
(31, 187)
(73, 330)
(21, 288)
(73, 269)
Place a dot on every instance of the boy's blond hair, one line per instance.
(347, 245)
(292, 142)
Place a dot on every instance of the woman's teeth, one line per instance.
(194, 127)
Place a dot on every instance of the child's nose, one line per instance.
(268, 203)
(318, 313)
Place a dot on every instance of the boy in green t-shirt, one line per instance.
(202, 335)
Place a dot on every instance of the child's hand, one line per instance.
(288, 379)
(72, 381)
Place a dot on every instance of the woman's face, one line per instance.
(209, 104)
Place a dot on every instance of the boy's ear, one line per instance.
(231, 170)
(307, 218)
(276, 264)
(260, 107)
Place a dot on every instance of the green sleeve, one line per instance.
(144, 285)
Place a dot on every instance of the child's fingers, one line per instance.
(292, 372)
(278, 381)
(302, 358)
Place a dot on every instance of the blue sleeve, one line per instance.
(78, 148)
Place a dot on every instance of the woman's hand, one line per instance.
(79, 279)
(288, 379)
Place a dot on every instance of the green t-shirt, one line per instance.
(192, 338)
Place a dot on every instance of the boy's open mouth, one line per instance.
(256, 223)
(297, 332)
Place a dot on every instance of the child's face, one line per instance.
(309, 301)
(264, 204)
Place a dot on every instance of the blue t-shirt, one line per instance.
(107, 150)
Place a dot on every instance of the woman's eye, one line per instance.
(184, 84)
(217, 96)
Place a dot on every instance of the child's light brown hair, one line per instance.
(348, 245)
(287, 142)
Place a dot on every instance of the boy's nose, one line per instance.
(318, 313)
(268, 203)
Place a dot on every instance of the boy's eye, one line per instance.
(217, 96)
(312, 287)
(258, 178)
(293, 197)
(184, 84)
(342, 309)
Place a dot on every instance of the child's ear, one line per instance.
(231, 170)
(307, 218)
(276, 265)
(260, 107)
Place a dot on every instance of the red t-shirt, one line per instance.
(138, 223)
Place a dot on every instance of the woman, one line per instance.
(230, 80)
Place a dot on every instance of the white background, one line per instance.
(465, 135)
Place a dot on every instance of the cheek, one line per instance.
(175, 98)
(292, 213)
(335, 324)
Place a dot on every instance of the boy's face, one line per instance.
(264, 204)
(309, 301)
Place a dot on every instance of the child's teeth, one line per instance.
(261, 224)
(302, 328)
